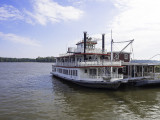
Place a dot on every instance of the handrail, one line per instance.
(81, 50)
(103, 77)
(89, 63)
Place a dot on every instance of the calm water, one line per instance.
(28, 92)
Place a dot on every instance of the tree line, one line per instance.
(38, 59)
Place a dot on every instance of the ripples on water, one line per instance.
(29, 92)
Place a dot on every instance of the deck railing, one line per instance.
(105, 77)
(91, 50)
(81, 50)
(89, 63)
(156, 76)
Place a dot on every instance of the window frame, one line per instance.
(126, 56)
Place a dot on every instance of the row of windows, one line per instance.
(117, 56)
(91, 71)
(65, 71)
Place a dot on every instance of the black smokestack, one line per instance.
(103, 43)
(85, 39)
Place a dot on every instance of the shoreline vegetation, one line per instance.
(38, 59)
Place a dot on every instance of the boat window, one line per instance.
(76, 73)
(150, 69)
(93, 71)
(85, 71)
(60, 70)
(125, 56)
(145, 69)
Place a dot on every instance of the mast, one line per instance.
(111, 53)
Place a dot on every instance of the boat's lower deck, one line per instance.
(89, 74)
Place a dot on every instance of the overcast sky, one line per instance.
(32, 28)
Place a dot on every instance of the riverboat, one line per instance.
(94, 67)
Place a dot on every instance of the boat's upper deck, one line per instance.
(87, 55)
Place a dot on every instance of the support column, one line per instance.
(128, 71)
(117, 72)
(142, 71)
(134, 71)
(131, 71)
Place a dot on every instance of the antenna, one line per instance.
(111, 53)
(111, 47)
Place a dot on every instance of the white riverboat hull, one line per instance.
(92, 84)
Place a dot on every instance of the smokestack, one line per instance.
(103, 43)
(85, 39)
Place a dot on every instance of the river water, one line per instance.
(29, 92)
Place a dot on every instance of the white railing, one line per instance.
(101, 63)
(90, 63)
(156, 76)
(91, 50)
(153, 76)
(106, 77)
(81, 50)
(119, 76)
(96, 51)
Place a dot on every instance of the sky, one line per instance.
(32, 28)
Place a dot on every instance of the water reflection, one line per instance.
(128, 103)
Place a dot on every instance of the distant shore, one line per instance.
(38, 59)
